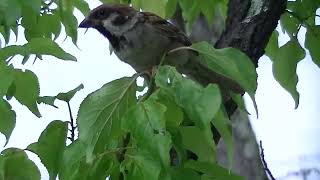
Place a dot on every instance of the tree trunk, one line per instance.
(246, 158)
(248, 28)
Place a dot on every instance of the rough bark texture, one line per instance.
(249, 26)
(246, 158)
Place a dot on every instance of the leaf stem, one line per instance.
(181, 48)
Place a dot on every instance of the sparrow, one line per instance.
(141, 39)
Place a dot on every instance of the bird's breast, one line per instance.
(142, 47)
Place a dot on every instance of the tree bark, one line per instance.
(248, 27)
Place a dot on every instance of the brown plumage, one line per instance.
(142, 38)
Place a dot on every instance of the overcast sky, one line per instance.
(290, 137)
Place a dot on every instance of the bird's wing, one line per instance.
(166, 28)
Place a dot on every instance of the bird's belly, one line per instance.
(142, 49)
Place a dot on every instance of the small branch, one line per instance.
(264, 163)
(46, 7)
(181, 48)
(72, 124)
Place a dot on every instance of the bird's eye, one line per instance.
(101, 13)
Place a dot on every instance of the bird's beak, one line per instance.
(86, 23)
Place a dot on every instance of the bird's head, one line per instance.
(109, 19)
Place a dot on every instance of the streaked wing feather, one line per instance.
(167, 28)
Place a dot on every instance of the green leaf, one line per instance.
(136, 4)
(146, 124)
(17, 166)
(73, 165)
(69, 22)
(33, 5)
(11, 11)
(273, 45)
(5, 32)
(212, 170)
(289, 24)
(184, 174)
(201, 104)
(312, 43)
(82, 5)
(6, 78)
(284, 67)
(190, 11)
(100, 114)
(222, 123)
(49, 100)
(12, 50)
(208, 9)
(171, 8)
(173, 113)
(29, 22)
(43, 46)
(232, 64)
(140, 165)
(104, 166)
(7, 119)
(306, 9)
(197, 141)
(55, 25)
(26, 89)
(110, 1)
(69, 95)
(237, 98)
(50, 146)
(156, 6)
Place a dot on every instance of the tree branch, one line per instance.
(248, 27)
(264, 163)
(72, 124)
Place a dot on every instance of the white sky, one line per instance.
(290, 137)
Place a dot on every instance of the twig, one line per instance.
(181, 48)
(46, 7)
(73, 127)
(264, 163)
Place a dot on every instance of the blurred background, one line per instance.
(290, 136)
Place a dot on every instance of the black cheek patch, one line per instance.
(114, 41)
(120, 20)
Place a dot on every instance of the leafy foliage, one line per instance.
(100, 115)
(51, 153)
(285, 58)
(26, 96)
(285, 71)
(15, 165)
(166, 133)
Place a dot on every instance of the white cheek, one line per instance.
(110, 27)
(119, 29)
